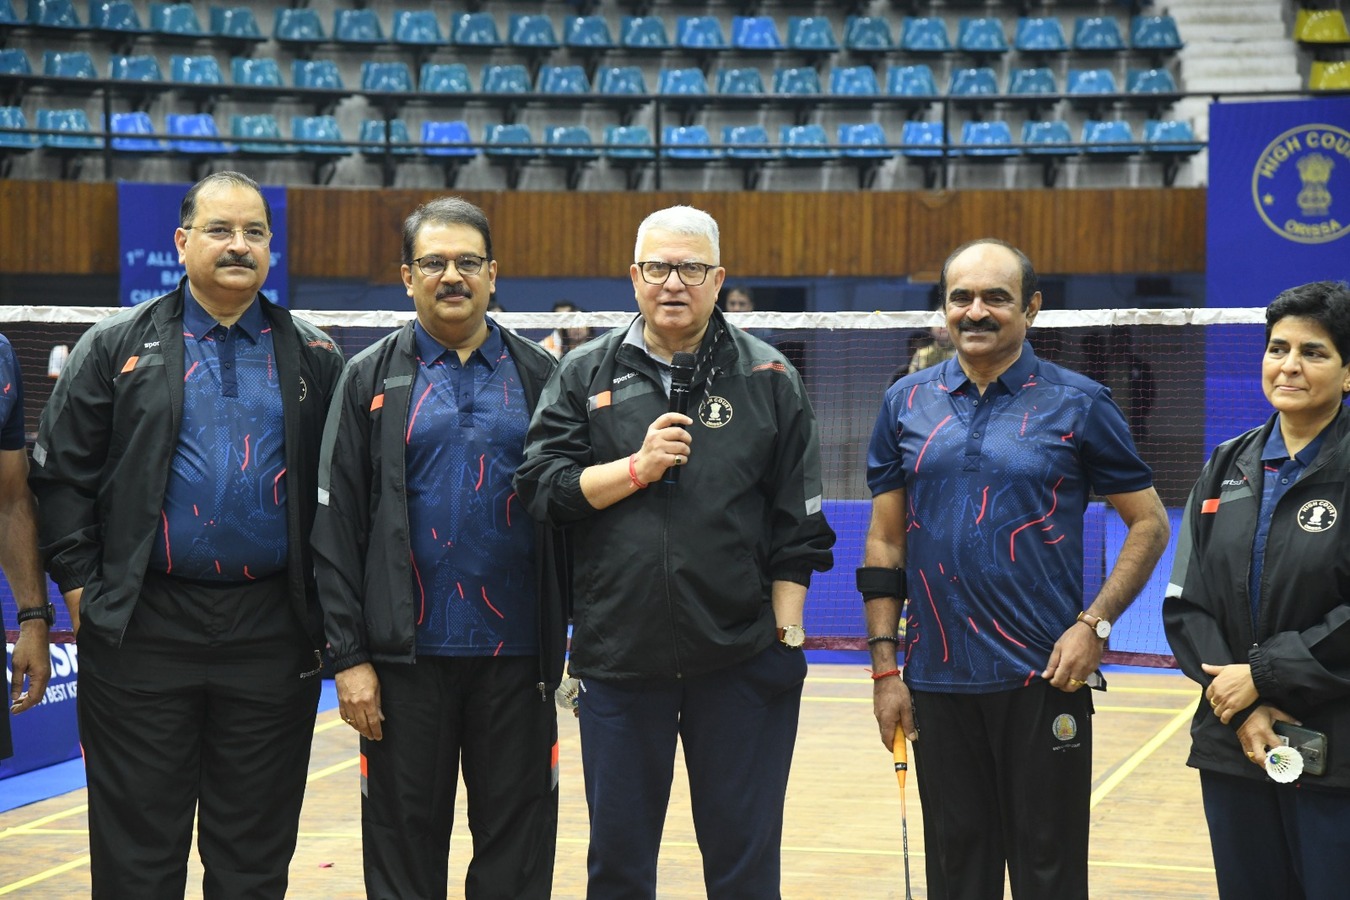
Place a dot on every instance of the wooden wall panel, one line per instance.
(62, 227)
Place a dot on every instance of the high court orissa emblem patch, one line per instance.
(1301, 184)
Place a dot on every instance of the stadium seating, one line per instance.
(475, 29)
(747, 142)
(138, 125)
(1097, 34)
(572, 146)
(911, 81)
(14, 62)
(739, 81)
(868, 33)
(589, 32)
(530, 30)
(119, 16)
(73, 127)
(972, 87)
(317, 74)
(1040, 34)
(298, 25)
(806, 142)
(1085, 87)
(986, 140)
(357, 26)
(318, 135)
(644, 31)
(923, 142)
(418, 27)
(1155, 33)
(1329, 75)
(512, 146)
(699, 33)
(801, 80)
(755, 33)
(512, 78)
(562, 80)
(621, 80)
(7, 17)
(175, 19)
(1109, 138)
(383, 77)
(255, 72)
(444, 78)
(134, 68)
(448, 139)
(981, 36)
(233, 22)
(865, 147)
(688, 142)
(15, 139)
(195, 133)
(1155, 88)
(814, 33)
(195, 70)
(681, 81)
(1029, 86)
(248, 130)
(1048, 142)
(373, 132)
(854, 81)
(74, 64)
(53, 14)
(1171, 143)
(924, 34)
(630, 148)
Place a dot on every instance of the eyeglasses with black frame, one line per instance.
(254, 234)
(465, 264)
(692, 274)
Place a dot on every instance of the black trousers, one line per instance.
(1005, 779)
(207, 707)
(483, 714)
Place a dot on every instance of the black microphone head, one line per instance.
(682, 368)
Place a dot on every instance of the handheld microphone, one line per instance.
(681, 375)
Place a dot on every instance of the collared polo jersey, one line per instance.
(224, 515)
(473, 543)
(996, 489)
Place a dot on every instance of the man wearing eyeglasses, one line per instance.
(176, 471)
(695, 538)
(444, 600)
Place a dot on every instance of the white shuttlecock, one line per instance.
(1284, 764)
(568, 694)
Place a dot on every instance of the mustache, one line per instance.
(234, 259)
(966, 326)
(454, 290)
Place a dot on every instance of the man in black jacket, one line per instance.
(175, 468)
(444, 600)
(689, 593)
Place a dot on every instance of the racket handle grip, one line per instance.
(900, 752)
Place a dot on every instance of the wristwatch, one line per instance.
(792, 636)
(46, 612)
(1100, 627)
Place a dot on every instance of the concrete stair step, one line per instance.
(1245, 83)
(1229, 33)
(1230, 13)
(1249, 67)
(1240, 50)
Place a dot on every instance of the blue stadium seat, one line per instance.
(981, 35)
(699, 33)
(1150, 81)
(12, 125)
(1097, 33)
(1030, 82)
(508, 140)
(530, 30)
(320, 135)
(357, 26)
(195, 125)
(1050, 142)
(134, 68)
(74, 64)
(74, 127)
(621, 80)
(1085, 86)
(800, 80)
(690, 142)
(386, 76)
(739, 81)
(924, 34)
(195, 70)
(806, 142)
(865, 140)
(747, 142)
(922, 139)
(868, 33)
(588, 31)
(417, 26)
(316, 73)
(7, 16)
(116, 16)
(573, 141)
(175, 18)
(14, 62)
(974, 82)
(987, 139)
(53, 14)
(235, 22)
(511, 78)
(643, 31)
(1155, 32)
(1172, 143)
(811, 33)
(755, 33)
(296, 25)
(1040, 34)
(248, 129)
(372, 132)
(475, 29)
(139, 125)
(911, 81)
(1109, 138)
(854, 81)
(629, 142)
(444, 78)
(256, 72)
(563, 80)
(681, 81)
(447, 139)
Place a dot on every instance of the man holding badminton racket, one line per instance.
(980, 469)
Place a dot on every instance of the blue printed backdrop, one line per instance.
(47, 733)
(1278, 216)
(147, 215)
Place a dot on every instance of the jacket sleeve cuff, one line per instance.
(67, 578)
(796, 574)
(350, 660)
(1263, 674)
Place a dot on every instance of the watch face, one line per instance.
(1103, 629)
(793, 635)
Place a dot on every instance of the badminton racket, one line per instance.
(901, 753)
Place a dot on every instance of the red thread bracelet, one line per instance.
(877, 676)
(632, 472)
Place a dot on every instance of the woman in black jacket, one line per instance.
(1258, 612)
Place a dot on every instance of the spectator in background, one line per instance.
(563, 340)
(176, 474)
(19, 552)
(739, 299)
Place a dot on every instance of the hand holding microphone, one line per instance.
(681, 377)
(666, 446)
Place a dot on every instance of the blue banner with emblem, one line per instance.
(1278, 216)
(147, 216)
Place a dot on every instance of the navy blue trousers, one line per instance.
(738, 726)
(1277, 842)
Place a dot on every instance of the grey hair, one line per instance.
(682, 220)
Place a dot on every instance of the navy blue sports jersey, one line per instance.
(472, 541)
(224, 516)
(996, 487)
(11, 398)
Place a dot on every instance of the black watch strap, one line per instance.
(46, 612)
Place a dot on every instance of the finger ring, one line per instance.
(1076, 683)
(679, 460)
(1251, 754)
(346, 718)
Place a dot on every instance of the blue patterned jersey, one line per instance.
(11, 398)
(996, 488)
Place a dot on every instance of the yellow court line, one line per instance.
(43, 876)
(333, 769)
(1139, 756)
(1180, 692)
(38, 823)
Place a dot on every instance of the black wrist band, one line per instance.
(874, 582)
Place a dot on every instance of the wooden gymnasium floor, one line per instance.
(842, 834)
